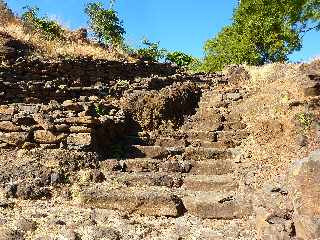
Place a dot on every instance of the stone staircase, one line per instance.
(190, 171)
(184, 181)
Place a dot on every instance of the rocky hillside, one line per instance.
(93, 149)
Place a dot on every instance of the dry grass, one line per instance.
(269, 114)
(53, 49)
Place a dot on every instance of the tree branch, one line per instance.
(310, 29)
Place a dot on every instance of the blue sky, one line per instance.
(182, 25)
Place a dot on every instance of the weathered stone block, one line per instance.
(155, 152)
(7, 110)
(141, 165)
(111, 165)
(8, 126)
(210, 183)
(43, 136)
(224, 136)
(234, 96)
(216, 205)
(14, 138)
(304, 179)
(272, 225)
(169, 142)
(149, 179)
(148, 201)
(80, 129)
(62, 128)
(80, 140)
(72, 106)
(81, 120)
(312, 90)
(44, 121)
(218, 167)
(200, 154)
(5, 117)
(201, 135)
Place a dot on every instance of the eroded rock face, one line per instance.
(305, 189)
(152, 109)
(275, 224)
(12, 48)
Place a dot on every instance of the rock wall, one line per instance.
(65, 79)
(70, 125)
(57, 117)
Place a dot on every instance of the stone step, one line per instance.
(210, 183)
(232, 135)
(203, 123)
(153, 165)
(209, 144)
(182, 143)
(156, 152)
(218, 205)
(171, 142)
(216, 167)
(234, 126)
(203, 135)
(209, 110)
(209, 95)
(160, 179)
(201, 153)
(140, 140)
(144, 165)
(148, 201)
(194, 134)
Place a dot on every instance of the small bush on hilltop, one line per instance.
(185, 61)
(179, 58)
(105, 24)
(50, 28)
(151, 52)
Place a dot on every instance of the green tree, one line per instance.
(105, 23)
(262, 31)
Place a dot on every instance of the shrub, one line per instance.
(118, 89)
(305, 119)
(50, 28)
(105, 24)
(179, 58)
(100, 111)
(152, 52)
